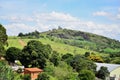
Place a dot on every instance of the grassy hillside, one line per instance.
(57, 46)
(84, 40)
(78, 39)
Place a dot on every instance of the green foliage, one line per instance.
(26, 77)
(43, 76)
(64, 72)
(3, 35)
(87, 54)
(103, 73)
(35, 54)
(60, 72)
(2, 50)
(32, 35)
(55, 58)
(115, 60)
(67, 58)
(80, 62)
(6, 73)
(86, 75)
(3, 39)
(12, 54)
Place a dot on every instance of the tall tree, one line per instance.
(35, 54)
(3, 35)
(3, 39)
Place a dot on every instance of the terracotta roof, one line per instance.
(33, 69)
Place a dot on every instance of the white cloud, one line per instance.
(15, 28)
(55, 16)
(101, 13)
(118, 16)
(16, 18)
(46, 21)
(119, 9)
(109, 15)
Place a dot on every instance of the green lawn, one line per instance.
(59, 47)
(14, 43)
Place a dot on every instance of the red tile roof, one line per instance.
(33, 69)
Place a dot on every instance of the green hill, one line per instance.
(57, 46)
(79, 39)
(84, 40)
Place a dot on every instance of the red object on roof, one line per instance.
(34, 69)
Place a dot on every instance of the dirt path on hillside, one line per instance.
(22, 43)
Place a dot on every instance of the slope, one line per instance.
(59, 47)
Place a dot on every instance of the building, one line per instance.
(114, 70)
(34, 72)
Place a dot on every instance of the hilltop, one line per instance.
(78, 39)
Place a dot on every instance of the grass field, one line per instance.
(59, 47)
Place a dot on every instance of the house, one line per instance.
(34, 72)
(114, 70)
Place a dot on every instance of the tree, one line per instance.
(43, 76)
(20, 34)
(12, 54)
(3, 39)
(55, 58)
(3, 35)
(67, 58)
(86, 75)
(103, 73)
(80, 62)
(87, 54)
(35, 54)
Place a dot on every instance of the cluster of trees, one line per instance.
(35, 34)
(67, 66)
(36, 54)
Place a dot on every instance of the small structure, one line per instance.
(15, 66)
(114, 70)
(34, 72)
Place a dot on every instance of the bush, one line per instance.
(86, 75)
(43, 76)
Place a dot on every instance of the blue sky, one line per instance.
(96, 16)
